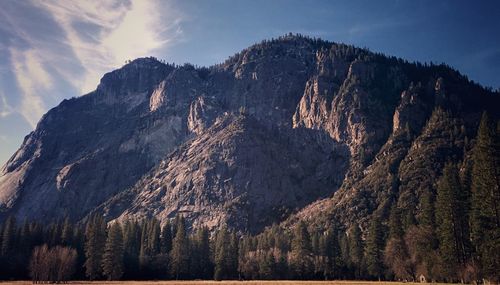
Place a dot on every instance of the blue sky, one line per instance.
(51, 50)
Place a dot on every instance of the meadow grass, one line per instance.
(211, 282)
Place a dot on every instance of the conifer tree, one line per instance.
(374, 248)
(232, 258)
(112, 262)
(67, 233)
(154, 240)
(356, 249)
(302, 262)
(179, 256)
(144, 258)
(396, 256)
(131, 242)
(1, 237)
(201, 254)
(449, 215)
(95, 239)
(25, 244)
(267, 265)
(221, 253)
(8, 236)
(166, 238)
(485, 200)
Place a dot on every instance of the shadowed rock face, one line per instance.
(248, 142)
(237, 172)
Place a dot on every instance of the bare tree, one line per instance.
(53, 265)
(66, 261)
(38, 266)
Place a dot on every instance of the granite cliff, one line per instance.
(287, 129)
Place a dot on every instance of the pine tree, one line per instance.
(25, 244)
(344, 255)
(131, 244)
(330, 253)
(95, 239)
(485, 200)
(267, 265)
(200, 252)
(374, 248)
(449, 216)
(67, 233)
(166, 238)
(356, 249)
(221, 257)
(427, 217)
(395, 226)
(232, 257)
(144, 256)
(179, 256)
(112, 261)
(396, 256)
(8, 236)
(154, 240)
(302, 257)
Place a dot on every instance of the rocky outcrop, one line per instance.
(237, 172)
(284, 129)
(87, 149)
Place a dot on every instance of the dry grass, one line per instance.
(280, 282)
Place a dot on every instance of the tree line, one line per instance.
(455, 238)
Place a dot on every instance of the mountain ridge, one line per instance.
(364, 107)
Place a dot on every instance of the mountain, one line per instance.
(288, 129)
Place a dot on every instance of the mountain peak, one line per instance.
(137, 76)
(277, 126)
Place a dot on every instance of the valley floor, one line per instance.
(210, 282)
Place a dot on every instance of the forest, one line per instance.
(456, 239)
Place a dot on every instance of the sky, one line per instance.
(51, 50)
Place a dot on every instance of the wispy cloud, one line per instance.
(5, 108)
(73, 43)
(362, 29)
(103, 34)
(31, 76)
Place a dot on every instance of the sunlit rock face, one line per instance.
(279, 130)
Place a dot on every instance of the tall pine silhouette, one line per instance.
(485, 211)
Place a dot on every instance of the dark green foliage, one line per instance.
(301, 253)
(225, 255)
(166, 239)
(95, 240)
(485, 198)
(200, 254)
(152, 261)
(451, 221)
(132, 244)
(356, 249)
(396, 256)
(179, 256)
(395, 226)
(8, 236)
(374, 249)
(427, 217)
(330, 254)
(112, 261)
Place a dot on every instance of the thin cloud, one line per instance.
(73, 43)
(5, 108)
(31, 77)
(119, 31)
(359, 30)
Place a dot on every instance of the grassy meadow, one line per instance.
(210, 282)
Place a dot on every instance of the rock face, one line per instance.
(284, 129)
(237, 172)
